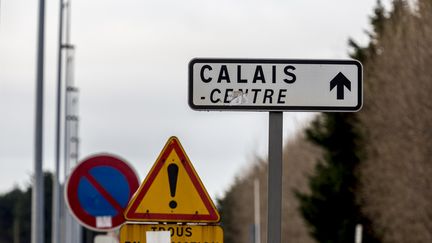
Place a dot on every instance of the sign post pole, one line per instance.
(274, 205)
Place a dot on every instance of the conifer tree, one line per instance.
(226, 210)
(377, 21)
(331, 209)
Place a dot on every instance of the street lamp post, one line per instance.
(37, 227)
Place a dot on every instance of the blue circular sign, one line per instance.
(98, 191)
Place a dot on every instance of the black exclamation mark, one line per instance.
(172, 177)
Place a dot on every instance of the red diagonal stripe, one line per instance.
(103, 192)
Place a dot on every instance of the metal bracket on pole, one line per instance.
(275, 177)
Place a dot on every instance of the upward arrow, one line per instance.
(339, 81)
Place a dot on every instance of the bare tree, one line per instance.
(299, 160)
(396, 179)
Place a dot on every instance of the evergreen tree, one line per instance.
(331, 209)
(7, 214)
(15, 214)
(377, 22)
(225, 208)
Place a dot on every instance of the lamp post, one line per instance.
(37, 226)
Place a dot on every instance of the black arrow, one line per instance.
(339, 82)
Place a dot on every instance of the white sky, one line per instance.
(131, 69)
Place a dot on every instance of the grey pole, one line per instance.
(37, 226)
(358, 233)
(55, 230)
(275, 177)
(257, 216)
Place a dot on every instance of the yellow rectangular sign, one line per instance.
(136, 233)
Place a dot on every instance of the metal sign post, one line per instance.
(275, 177)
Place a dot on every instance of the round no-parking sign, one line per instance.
(99, 189)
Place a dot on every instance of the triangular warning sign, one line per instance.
(172, 191)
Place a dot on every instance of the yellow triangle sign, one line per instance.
(172, 191)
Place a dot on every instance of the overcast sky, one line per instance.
(131, 70)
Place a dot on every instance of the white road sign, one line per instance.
(275, 85)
